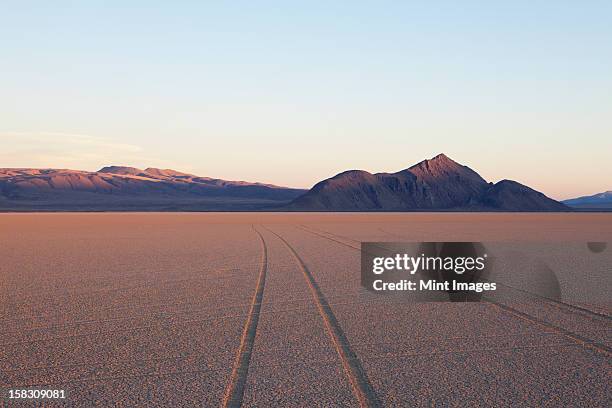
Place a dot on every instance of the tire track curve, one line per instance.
(235, 388)
(559, 304)
(363, 390)
(575, 337)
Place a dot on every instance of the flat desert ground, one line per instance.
(266, 309)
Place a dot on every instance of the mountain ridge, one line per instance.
(436, 184)
(596, 201)
(117, 188)
(433, 184)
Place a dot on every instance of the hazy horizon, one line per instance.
(293, 94)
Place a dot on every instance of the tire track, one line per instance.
(363, 390)
(131, 330)
(582, 340)
(304, 228)
(559, 304)
(235, 388)
(577, 338)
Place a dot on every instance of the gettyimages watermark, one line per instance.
(470, 271)
(422, 263)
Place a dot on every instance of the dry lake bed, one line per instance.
(267, 309)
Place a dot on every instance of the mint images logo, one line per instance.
(503, 271)
(454, 271)
(411, 264)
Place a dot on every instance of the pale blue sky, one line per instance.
(294, 93)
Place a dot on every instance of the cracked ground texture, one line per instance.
(266, 309)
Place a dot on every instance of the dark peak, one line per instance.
(120, 170)
(441, 156)
(441, 159)
(436, 164)
(441, 167)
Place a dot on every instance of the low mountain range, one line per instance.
(438, 184)
(119, 188)
(600, 201)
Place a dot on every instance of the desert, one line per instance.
(306, 204)
(266, 309)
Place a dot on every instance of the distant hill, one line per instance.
(601, 201)
(431, 185)
(117, 188)
(438, 184)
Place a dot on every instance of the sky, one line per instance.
(291, 93)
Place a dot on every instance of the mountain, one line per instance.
(436, 184)
(116, 188)
(508, 195)
(596, 201)
(431, 185)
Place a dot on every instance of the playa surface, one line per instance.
(266, 309)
